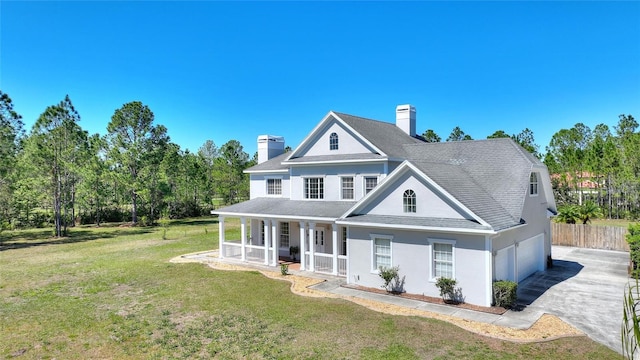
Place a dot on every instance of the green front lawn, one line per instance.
(110, 292)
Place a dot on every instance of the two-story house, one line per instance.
(358, 194)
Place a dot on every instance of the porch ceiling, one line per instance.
(285, 208)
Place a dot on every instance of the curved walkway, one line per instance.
(523, 326)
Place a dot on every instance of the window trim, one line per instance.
(344, 234)
(409, 202)
(533, 184)
(288, 234)
(364, 183)
(266, 185)
(304, 187)
(432, 270)
(333, 141)
(374, 267)
(353, 187)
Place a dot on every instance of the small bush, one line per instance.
(505, 293)
(284, 269)
(392, 281)
(633, 238)
(448, 289)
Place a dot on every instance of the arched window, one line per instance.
(333, 141)
(409, 201)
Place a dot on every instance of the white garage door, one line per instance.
(505, 264)
(530, 256)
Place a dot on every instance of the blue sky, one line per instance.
(222, 71)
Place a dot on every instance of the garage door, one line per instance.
(530, 256)
(505, 264)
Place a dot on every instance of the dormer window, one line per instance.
(533, 184)
(333, 141)
(409, 201)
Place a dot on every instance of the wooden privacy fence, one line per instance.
(588, 236)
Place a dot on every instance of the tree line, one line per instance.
(58, 174)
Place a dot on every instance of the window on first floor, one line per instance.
(409, 201)
(274, 186)
(370, 182)
(347, 188)
(381, 252)
(442, 259)
(261, 232)
(314, 188)
(343, 238)
(284, 234)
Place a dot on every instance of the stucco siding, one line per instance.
(411, 251)
(258, 185)
(332, 179)
(347, 142)
(428, 203)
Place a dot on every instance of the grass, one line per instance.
(110, 292)
(612, 222)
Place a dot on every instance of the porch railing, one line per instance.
(323, 263)
(232, 250)
(255, 253)
(342, 265)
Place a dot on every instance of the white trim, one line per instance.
(304, 186)
(416, 227)
(432, 277)
(325, 162)
(353, 186)
(278, 216)
(364, 182)
(265, 171)
(488, 270)
(266, 185)
(537, 183)
(374, 269)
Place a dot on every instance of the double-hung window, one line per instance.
(262, 234)
(369, 183)
(347, 188)
(533, 184)
(314, 188)
(284, 234)
(381, 257)
(274, 186)
(333, 141)
(344, 241)
(442, 260)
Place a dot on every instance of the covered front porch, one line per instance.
(318, 246)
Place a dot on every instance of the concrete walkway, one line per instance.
(584, 288)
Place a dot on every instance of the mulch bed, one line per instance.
(433, 300)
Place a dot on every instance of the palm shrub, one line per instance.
(630, 334)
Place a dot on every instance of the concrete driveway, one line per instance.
(585, 288)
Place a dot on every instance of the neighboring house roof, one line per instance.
(297, 209)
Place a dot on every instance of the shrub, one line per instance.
(392, 281)
(505, 293)
(448, 289)
(633, 239)
(284, 269)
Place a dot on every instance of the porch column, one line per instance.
(275, 243)
(303, 246)
(221, 237)
(312, 246)
(488, 268)
(243, 237)
(267, 240)
(334, 235)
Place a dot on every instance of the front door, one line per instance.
(319, 240)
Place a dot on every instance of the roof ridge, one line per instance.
(364, 118)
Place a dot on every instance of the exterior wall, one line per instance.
(428, 203)
(411, 251)
(332, 182)
(258, 185)
(347, 143)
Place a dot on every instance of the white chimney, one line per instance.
(269, 146)
(406, 119)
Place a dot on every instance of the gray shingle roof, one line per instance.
(341, 157)
(274, 164)
(278, 207)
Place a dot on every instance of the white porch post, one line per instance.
(221, 237)
(303, 246)
(267, 239)
(275, 243)
(488, 268)
(312, 246)
(243, 237)
(334, 235)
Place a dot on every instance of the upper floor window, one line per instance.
(409, 201)
(314, 188)
(347, 188)
(274, 186)
(533, 184)
(333, 141)
(369, 183)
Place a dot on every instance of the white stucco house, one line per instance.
(358, 194)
